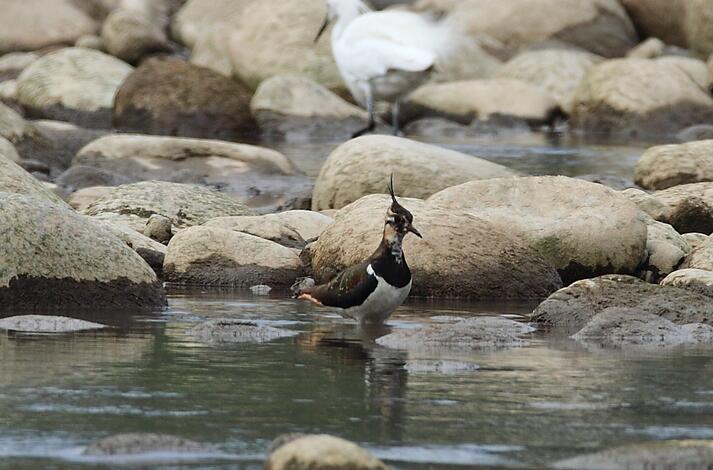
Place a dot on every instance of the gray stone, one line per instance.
(665, 166)
(470, 334)
(159, 227)
(573, 306)
(695, 280)
(47, 324)
(142, 443)
(694, 240)
(237, 331)
(688, 207)
(665, 249)
(80, 200)
(14, 179)
(697, 132)
(440, 367)
(150, 250)
(135, 29)
(11, 65)
(268, 227)
(260, 289)
(83, 176)
(702, 256)
(659, 18)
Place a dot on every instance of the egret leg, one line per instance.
(371, 124)
(395, 109)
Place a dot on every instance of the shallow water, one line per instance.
(511, 408)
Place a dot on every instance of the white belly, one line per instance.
(380, 304)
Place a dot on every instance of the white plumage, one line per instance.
(381, 303)
(384, 55)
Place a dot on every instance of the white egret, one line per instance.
(383, 55)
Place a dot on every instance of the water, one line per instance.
(514, 408)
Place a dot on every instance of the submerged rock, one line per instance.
(439, 367)
(142, 443)
(53, 257)
(72, 84)
(639, 97)
(695, 280)
(237, 331)
(460, 255)
(670, 455)
(186, 205)
(260, 289)
(47, 324)
(320, 452)
(222, 257)
(362, 166)
(665, 166)
(192, 101)
(473, 333)
(628, 326)
(549, 213)
(573, 306)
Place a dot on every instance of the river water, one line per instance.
(514, 408)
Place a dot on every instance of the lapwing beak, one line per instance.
(413, 230)
(322, 28)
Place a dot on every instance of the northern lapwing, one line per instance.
(371, 290)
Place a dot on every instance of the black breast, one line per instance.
(386, 266)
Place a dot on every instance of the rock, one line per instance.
(649, 49)
(617, 183)
(8, 94)
(572, 307)
(286, 105)
(142, 443)
(671, 454)
(159, 228)
(627, 326)
(192, 101)
(308, 224)
(47, 324)
(581, 239)
(53, 258)
(702, 256)
(694, 240)
(695, 280)
(648, 203)
(697, 132)
(223, 257)
(267, 226)
(227, 330)
(150, 250)
(73, 84)
(688, 207)
(599, 26)
(662, 19)
(11, 65)
(135, 29)
(665, 249)
(665, 166)
(8, 150)
(440, 367)
(260, 289)
(699, 16)
(469, 100)
(186, 205)
(557, 71)
(198, 17)
(28, 25)
(276, 37)
(90, 41)
(491, 262)
(83, 176)
(13, 179)
(694, 68)
(473, 333)
(639, 97)
(26, 137)
(362, 166)
(321, 452)
(83, 198)
(440, 127)
(65, 140)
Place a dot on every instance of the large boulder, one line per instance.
(320, 452)
(638, 97)
(459, 256)
(186, 205)
(664, 166)
(198, 17)
(599, 26)
(223, 257)
(362, 166)
(699, 17)
(192, 101)
(663, 19)
(14, 179)
(702, 256)
(27, 25)
(695, 280)
(238, 169)
(469, 100)
(584, 229)
(673, 454)
(688, 207)
(573, 306)
(286, 105)
(275, 37)
(72, 84)
(53, 257)
(136, 28)
(557, 71)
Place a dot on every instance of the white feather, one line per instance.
(381, 303)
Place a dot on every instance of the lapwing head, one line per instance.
(398, 218)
